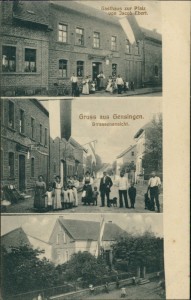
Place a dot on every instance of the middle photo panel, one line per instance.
(107, 155)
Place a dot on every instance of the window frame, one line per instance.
(96, 39)
(128, 50)
(32, 167)
(13, 120)
(15, 61)
(11, 171)
(22, 125)
(59, 30)
(82, 36)
(79, 66)
(33, 129)
(114, 43)
(30, 69)
(112, 69)
(64, 63)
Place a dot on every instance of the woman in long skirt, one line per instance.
(87, 188)
(85, 89)
(40, 190)
(75, 187)
(57, 190)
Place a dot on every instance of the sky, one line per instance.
(150, 21)
(41, 226)
(111, 141)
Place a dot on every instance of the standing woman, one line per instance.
(101, 78)
(57, 190)
(85, 89)
(87, 189)
(75, 186)
(40, 190)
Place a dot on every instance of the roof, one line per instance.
(152, 34)
(14, 238)
(31, 11)
(87, 10)
(40, 106)
(140, 131)
(81, 230)
(111, 232)
(126, 151)
(74, 143)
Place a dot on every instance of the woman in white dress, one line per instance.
(75, 187)
(57, 190)
(85, 89)
(109, 87)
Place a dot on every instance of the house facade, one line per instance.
(25, 142)
(43, 45)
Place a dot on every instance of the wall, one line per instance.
(12, 139)
(36, 243)
(90, 246)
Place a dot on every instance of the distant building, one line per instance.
(44, 44)
(127, 156)
(25, 142)
(104, 168)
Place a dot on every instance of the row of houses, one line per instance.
(68, 237)
(44, 44)
(27, 150)
(132, 158)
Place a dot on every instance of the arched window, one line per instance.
(32, 167)
(63, 68)
(156, 71)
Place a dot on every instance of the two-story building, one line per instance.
(24, 142)
(128, 157)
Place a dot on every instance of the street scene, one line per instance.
(98, 50)
(90, 257)
(56, 158)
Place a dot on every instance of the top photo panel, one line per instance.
(81, 48)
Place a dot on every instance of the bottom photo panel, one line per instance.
(86, 256)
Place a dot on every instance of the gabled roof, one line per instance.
(126, 151)
(14, 238)
(32, 11)
(152, 34)
(81, 230)
(140, 131)
(112, 231)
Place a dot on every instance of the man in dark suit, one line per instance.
(105, 188)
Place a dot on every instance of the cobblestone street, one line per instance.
(26, 205)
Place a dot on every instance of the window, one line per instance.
(30, 60)
(62, 33)
(46, 136)
(114, 69)
(113, 43)
(58, 254)
(137, 49)
(156, 70)
(80, 68)
(96, 40)
(9, 59)
(32, 167)
(79, 36)
(32, 128)
(63, 68)
(128, 46)
(64, 237)
(132, 153)
(11, 115)
(22, 121)
(11, 164)
(41, 133)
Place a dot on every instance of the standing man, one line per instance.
(105, 188)
(153, 186)
(123, 186)
(74, 81)
(120, 84)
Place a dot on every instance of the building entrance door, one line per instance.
(96, 68)
(21, 172)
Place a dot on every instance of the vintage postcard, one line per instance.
(94, 139)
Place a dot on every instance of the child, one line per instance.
(95, 195)
(92, 91)
(49, 198)
(132, 195)
(123, 292)
(65, 203)
(71, 196)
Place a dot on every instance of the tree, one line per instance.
(140, 250)
(86, 266)
(23, 271)
(99, 163)
(152, 160)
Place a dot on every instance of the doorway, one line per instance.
(96, 69)
(21, 172)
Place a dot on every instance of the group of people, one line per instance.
(56, 196)
(114, 84)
